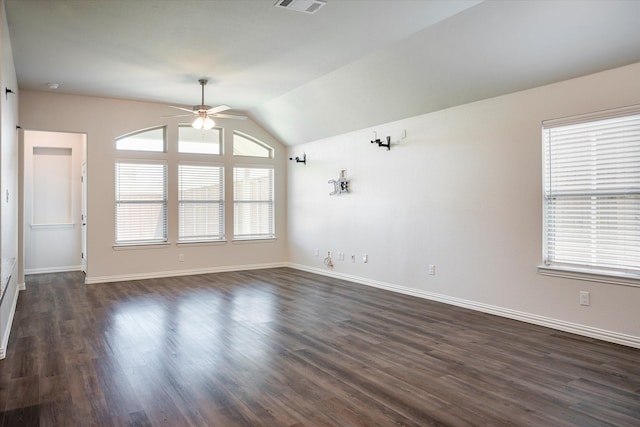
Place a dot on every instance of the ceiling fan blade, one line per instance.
(229, 116)
(183, 109)
(177, 115)
(218, 109)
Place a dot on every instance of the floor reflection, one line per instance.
(187, 339)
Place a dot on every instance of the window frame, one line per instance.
(138, 132)
(220, 202)
(220, 142)
(272, 204)
(164, 202)
(595, 197)
(270, 149)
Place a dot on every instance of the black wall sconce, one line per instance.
(382, 144)
(299, 159)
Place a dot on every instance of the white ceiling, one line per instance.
(353, 64)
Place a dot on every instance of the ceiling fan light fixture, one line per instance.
(208, 123)
(203, 122)
(198, 123)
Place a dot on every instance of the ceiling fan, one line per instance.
(205, 113)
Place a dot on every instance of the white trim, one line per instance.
(628, 110)
(7, 329)
(173, 273)
(22, 287)
(139, 245)
(561, 325)
(45, 270)
(591, 276)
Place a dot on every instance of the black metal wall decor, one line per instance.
(302, 159)
(382, 144)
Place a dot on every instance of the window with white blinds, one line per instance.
(253, 203)
(141, 202)
(200, 202)
(592, 192)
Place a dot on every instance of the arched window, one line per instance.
(245, 145)
(144, 140)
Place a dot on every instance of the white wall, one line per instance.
(105, 119)
(8, 179)
(52, 201)
(462, 192)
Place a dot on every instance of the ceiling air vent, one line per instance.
(306, 6)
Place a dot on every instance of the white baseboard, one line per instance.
(575, 328)
(45, 270)
(22, 286)
(7, 329)
(173, 273)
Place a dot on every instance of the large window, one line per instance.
(253, 203)
(592, 193)
(141, 202)
(200, 202)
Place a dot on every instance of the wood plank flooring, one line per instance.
(281, 347)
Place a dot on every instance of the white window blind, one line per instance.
(253, 203)
(592, 192)
(141, 202)
(200, 202)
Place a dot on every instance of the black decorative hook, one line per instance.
(382, 144)
(300, 160)
(7, 91)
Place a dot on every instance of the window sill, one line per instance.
(201, 243)
(255, 240)
(138, 246)
(590, 275)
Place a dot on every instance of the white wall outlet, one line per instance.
(317, 252)
(432, 270)
(353, 258)
(181, 257)
(365, 258)
(585, 298)
(341, 256)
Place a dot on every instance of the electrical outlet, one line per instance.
(181, 257)
(585, 298)
(317, 252)
(353, 258)
(365, 258)
(341, 256)
(432, 270)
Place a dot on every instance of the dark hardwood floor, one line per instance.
(282, 347)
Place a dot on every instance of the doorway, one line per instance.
(54, 220)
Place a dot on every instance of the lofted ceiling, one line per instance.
(303, 77)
